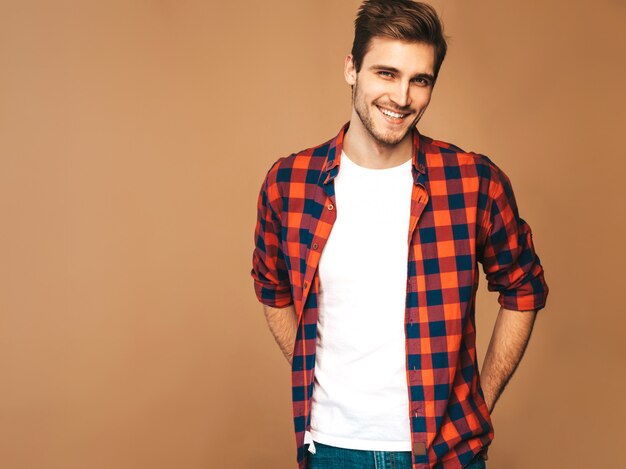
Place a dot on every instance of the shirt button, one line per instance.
(330, 206)
(305, 285)
(314, 245)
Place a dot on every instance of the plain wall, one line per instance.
(134, 136)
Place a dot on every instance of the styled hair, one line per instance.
(398, 19)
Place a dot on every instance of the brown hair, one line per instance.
(398, 19)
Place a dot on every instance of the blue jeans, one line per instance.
(331, 457)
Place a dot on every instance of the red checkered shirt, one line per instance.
(463, 212)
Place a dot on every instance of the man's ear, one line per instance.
(349, 72)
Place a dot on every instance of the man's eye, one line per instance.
(385, 74)
(422, 81)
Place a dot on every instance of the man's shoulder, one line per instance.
(439, 146)
(444, 153)
(314, 154)
(449, 151)
(308, 160)
(448, 161)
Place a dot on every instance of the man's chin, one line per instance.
(391, 138)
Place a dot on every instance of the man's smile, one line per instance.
(392, 116)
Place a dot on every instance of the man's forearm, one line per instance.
(283, 322)
(506, 348)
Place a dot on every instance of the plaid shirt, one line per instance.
(463, 211)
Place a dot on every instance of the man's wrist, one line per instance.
(488, 397)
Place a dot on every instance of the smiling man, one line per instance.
(367, 262)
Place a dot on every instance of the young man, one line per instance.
(366, 261)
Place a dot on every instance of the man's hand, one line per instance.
(506, 348)
(283, 323)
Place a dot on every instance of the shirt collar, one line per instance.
(333, 157)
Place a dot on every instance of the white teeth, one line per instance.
(391, 113)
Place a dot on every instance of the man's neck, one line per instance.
(366, 151)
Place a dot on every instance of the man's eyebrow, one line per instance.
(395, 70)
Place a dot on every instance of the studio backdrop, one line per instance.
(134, 136)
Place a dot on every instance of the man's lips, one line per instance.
(391, 115)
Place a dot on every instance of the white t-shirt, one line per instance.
(360, 397)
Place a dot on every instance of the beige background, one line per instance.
(134, 136)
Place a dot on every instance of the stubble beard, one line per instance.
(386, 139)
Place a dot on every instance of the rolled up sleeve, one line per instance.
(269, 270)
(507, 253)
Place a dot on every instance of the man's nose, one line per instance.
(401, 94)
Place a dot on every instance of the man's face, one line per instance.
(393, 88)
